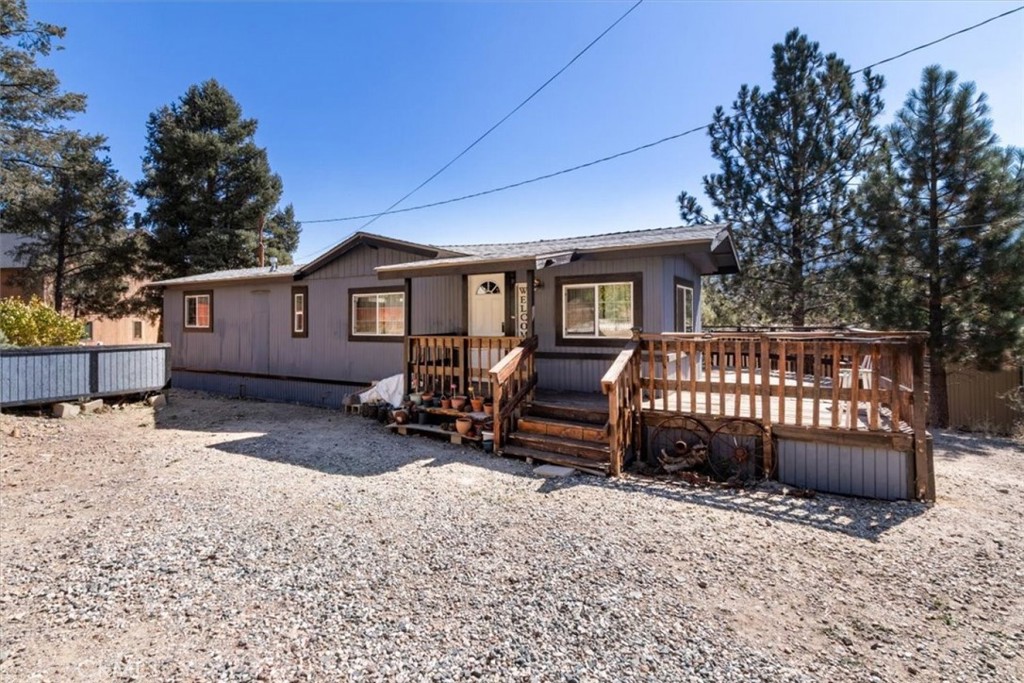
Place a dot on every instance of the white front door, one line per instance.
(486, 305)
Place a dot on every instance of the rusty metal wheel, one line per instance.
(736, 451)
(676, 438)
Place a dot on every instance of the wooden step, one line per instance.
(557, 410)
(570, 429)
(582, 464)
(556, 444)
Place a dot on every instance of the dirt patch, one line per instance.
(239, 540)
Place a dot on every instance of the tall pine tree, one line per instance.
(32, 104)
(79, 246)
(943, 215)
(788, 157)
(209, 188)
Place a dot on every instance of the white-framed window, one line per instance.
(299, 317)
(597, 310)
(488, 287)
(684, 307)
(198, 310)
(300, 311)
(378, 314)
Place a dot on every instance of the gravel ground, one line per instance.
(234, 540)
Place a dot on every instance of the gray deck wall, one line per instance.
(252, 323)
(849, 470)
(580, 368)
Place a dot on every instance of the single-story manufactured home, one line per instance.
(345, 319)
(590, 347)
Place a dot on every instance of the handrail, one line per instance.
(621, 383)
(513, 379)
(436, 362)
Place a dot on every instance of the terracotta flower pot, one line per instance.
(489, 408)
(463, 425)
(458, 402)
(446, 403)
(478, 404)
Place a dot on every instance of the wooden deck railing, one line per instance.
(845, 386)
(622, 386)
(436, 362)
(514, 380)
(855, 381)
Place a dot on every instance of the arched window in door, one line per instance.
(488, 287)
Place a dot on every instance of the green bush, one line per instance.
(36, 324)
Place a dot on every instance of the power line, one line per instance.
(547, 176)
(374, 217)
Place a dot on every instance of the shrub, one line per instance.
(36, 324)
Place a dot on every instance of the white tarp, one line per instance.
(388, 390)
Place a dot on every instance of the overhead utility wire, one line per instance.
(374, 217)
(635, 149)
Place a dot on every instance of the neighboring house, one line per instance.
(314, 332)
(98, 330)
(12, 271)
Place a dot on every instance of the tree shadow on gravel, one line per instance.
(856, 517)
(949, 445)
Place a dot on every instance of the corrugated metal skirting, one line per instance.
(51, 374)
(849, 470)
(305, 392)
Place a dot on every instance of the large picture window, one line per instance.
(601, 310)
(300, 311)
(199, 311)
(377, 314)
(684, 306)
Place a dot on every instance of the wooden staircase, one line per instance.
(562, 432)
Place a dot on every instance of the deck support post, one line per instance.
(924, 473)
(407, 322)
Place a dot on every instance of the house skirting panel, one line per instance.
(283, 390)
(850, 470)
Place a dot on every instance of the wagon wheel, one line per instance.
(736, 451)
(675, 435)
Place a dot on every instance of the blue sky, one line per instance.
(359, 102)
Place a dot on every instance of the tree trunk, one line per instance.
(938, 399)
(59, 270)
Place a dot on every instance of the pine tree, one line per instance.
(788, 157)
(32, 105)
(76, 218)
(282, 234)
(943, 248)
(208, 187)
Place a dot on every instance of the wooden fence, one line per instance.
(37, 376)
(978, 400)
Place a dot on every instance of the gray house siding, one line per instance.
(252, 323)
(580, 368)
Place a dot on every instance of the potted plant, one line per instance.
(476, 401)
(446, 402)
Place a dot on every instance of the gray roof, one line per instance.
(611, 240)
(539, 249)
(481, 253)
(9, 243)
(237, 274)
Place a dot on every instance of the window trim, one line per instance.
(634, 278)
(88, 332)
(137, 324)
(184, 310)
(353, 291)
(676, 284)
(302, 291)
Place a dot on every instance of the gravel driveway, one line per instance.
(218, 539)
